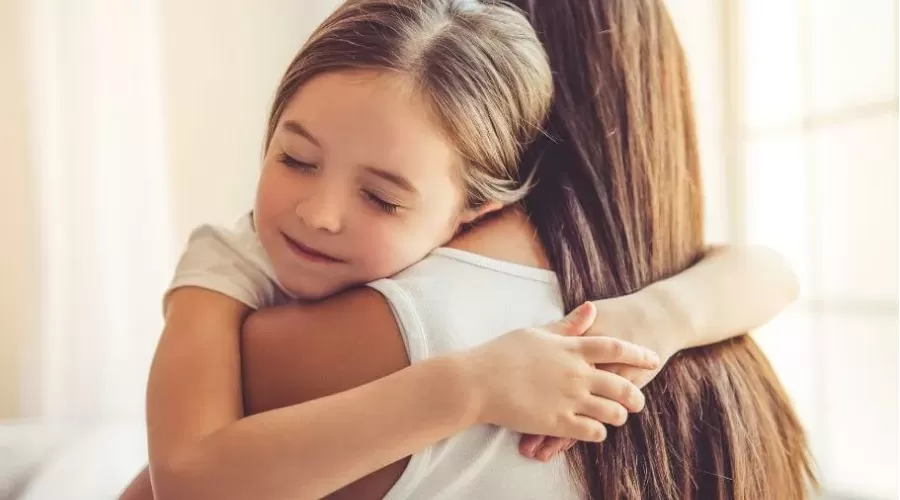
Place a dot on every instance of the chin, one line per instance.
(316, 293)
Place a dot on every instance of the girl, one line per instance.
(398, 123)
(615, 206)
(371, 147)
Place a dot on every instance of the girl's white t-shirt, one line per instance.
(230, 261)
(450, 301)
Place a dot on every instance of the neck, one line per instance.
(508, 236)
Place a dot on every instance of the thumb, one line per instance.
(576, 322)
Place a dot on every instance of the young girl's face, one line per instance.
(358, 183)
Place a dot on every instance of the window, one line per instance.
(816, 177)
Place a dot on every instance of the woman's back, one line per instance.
(617, 205)
(454, 300)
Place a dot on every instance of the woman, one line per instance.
(384, 339)
(616, 206)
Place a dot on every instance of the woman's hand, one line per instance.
(564, 394)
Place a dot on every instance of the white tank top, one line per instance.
(450, 301)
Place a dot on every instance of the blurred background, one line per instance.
(126, 123)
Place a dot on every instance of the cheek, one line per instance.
(274, 194)
(390, 246)
(384, 249)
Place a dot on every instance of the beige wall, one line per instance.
(223, 61)
(18, 284)
(699, 23)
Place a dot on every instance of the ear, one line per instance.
(470, 215)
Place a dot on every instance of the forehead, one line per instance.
(371, 117)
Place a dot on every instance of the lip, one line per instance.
(307, 253)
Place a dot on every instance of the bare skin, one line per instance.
(287, 360)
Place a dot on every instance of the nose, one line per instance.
(321, 210)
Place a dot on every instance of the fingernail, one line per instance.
(544, 455)
(579, 310)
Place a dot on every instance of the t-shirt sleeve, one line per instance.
(215, 259)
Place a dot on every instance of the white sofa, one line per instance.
(44, 462)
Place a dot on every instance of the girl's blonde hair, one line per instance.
(479, 65)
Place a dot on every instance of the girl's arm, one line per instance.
(733, 289)
(200, 447)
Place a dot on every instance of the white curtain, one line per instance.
(145, 118)
(815, 170)
(797, 115)
(97, 144)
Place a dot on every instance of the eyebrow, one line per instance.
(296, 128)
(398, 180)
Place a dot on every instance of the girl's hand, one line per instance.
(647, 318)
(544, 380)
(642, 318)
(542, 447)
(731, 290)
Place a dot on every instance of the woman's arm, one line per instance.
(284, 370)
(287, 360)
(201, 448)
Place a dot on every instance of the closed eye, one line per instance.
(295, 164)
(380, 204)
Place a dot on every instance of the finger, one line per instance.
(637, 376)
(582, 428)
(616, 368)
(616, 388)
(609, 350)
(576, 322)
(553, 446)
(604, 410)
(530, 444)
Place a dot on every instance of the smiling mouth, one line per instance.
(308, 253)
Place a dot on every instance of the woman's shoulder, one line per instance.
(507, 236)
(505, 244)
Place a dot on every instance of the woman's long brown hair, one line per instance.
(618, 177)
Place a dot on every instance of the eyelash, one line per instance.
(294, 163)
(388, 208)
